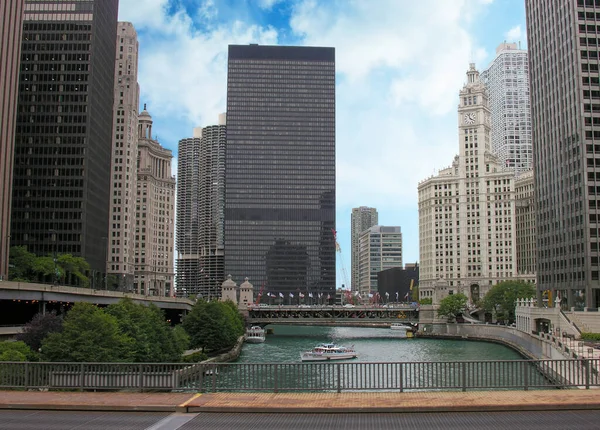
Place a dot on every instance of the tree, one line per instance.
(452, 305)
(89, 335)
(15, 351)
(20, 264)
(38, 328)
(153, 340)
(74, 266)
(501, 299)
(426, 301)
(213, 326)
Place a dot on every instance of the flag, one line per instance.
(202, 270)
(387, 294)
(320, 295)
(310, 295)
(301, 295)
(328, 297)
(406, 296)
(357, 294)
(281, 295)
(370, 295)
(396, 295)
(291, 295)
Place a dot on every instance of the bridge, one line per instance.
(20, 301)
(332, 315)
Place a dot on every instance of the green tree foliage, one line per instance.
(426, 301)
(21, 264)
(153, 339)
(15, 351)
(90, 335)
(501, 299)
(182, 339)
(214, 325)
(75, 266)
(452, 305)
(38, 328)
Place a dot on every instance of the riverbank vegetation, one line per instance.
(501, 299)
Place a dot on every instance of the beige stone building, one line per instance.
(525, 224)
(121, 237)
(11, 22)
(466, 212)
(155, 214)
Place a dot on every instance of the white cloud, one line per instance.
(514, 34)
(267, 4)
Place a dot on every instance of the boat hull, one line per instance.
(326, 357)
(255, 339)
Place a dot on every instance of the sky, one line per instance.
(399, 67)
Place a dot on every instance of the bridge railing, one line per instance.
(305, 377)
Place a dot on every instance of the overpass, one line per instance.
(332, 315)
(20, 301)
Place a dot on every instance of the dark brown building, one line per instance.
(11, 20)
(64, 129)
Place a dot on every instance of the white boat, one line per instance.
(407, 330)
(329, 351)
(255, 334)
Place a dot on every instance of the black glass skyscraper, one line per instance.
(279, 227)
(64, 128)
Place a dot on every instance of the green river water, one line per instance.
(372, 345)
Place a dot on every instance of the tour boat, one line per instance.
(329, 351)
(255, 334)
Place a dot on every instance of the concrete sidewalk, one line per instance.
(381, 402)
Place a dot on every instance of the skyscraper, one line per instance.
(11, 20)
(280, 168)
(200, 193)
(380, 248)
(121, 237)
(154, 214)
(362, 218)
(63, 138)
(466, 212)
(507, 82)
(563, 59)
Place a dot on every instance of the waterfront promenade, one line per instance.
(285, 403)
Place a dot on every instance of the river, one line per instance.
(372, 345)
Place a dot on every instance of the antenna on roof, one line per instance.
(144, 106)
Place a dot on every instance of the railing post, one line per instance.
(275, 377)
(339, 377)
(525, 376)
(464, 376)
(401, 376)
(81, 376)
(587, 374)
(141, 377)
(214, 378)
(26, 379)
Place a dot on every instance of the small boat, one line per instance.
(329, 351)
(255, 334)
(408, 331)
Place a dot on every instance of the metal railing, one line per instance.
(305, 377)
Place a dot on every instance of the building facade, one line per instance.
(123, 189)
(11, 25)
(279, 218)
(379, 248)
(563, 59)
(155, 215)
(507, 83)
(61, 185)
(200, 194)
(362, 218)
(525, 223)
(397, 284)
(466, 212)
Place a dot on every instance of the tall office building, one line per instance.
(200, 193)
(362, 218)
(61, 186)
(123, 189)
(563, 59)
(11, 20)
(466, 212)
(154, 215)
(525, 223)
(280, 168)
(380, 248)
(507, 82)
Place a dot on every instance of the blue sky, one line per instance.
(399, 64)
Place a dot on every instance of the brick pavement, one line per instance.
(535, 400)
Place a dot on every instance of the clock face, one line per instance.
(469, 118)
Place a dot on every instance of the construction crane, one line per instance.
(338, 249)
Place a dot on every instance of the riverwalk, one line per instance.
(371, 402)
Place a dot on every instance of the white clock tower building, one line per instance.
(467, 212)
